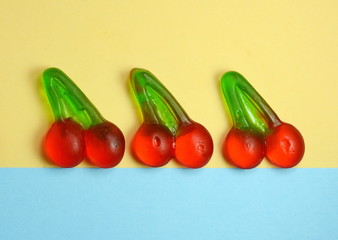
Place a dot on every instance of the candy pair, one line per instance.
(257, 131)
(79, 130)
(167, 131)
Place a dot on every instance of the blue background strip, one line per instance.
(141, 203)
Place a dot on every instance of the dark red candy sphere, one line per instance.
(105, 145)
(153, 145)
(285, 146)
(243, 149)
(64, 144)
(194, 146)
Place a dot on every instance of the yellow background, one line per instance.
(288, 50)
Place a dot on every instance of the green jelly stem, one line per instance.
(249, 111)
(157, 104)
(67, 100)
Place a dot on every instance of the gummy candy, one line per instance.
(167, 131)
(257, 131)
(79, 130)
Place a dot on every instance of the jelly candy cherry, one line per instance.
(167, 132)
(104, 144)
(285, 146)
(243, 149)
(257, 131)
(88, 132)
(153, 145)
(194, 146)
(64, 143)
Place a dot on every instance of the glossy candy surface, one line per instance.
(243, 148)
(257, 131)
(104, 144)
(285, 146)
(64, 143)
(167, 132)
(79, 130)
(193, 145)
(153, 145)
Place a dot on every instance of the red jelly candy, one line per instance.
(104, 144)
(67, 143)
(171, 132)
(153, 145)
(194, 146)
(285, 146)
(64, 144)
(243, 149)
(257, 130)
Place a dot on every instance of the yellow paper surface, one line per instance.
(287, 49)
